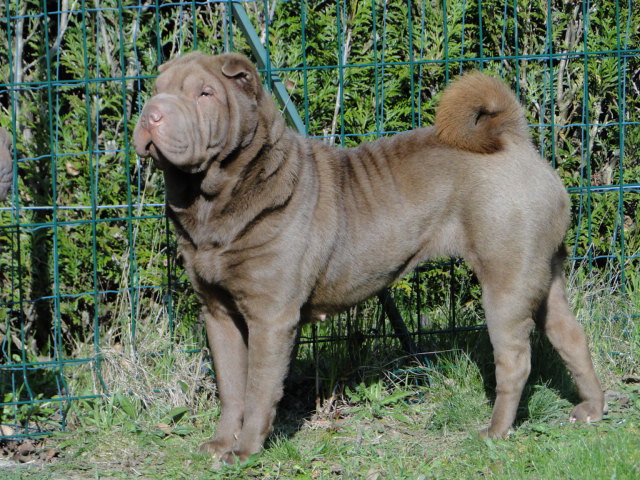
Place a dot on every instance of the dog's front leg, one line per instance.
(271, 342)
(227, 341)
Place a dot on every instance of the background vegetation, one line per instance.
(92, 298)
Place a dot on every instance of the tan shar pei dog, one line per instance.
(276, 229)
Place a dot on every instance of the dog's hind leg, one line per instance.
(556, 319)
(509, 321)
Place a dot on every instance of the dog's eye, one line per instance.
(206, 92)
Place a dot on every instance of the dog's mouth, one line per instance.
(149, 149)
(146, 147)
(152, 151)
(163, 162)
(158, 157)
(142, 141)
(168, 152)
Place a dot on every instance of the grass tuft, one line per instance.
(546, 405)
(458, 395)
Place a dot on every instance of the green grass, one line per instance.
(420, 426)
(393, 419)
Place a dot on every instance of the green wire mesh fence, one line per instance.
(87, 258)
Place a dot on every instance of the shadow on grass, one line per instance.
(313, 380)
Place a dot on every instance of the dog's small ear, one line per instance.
(165, 65)
(175, 60)
(238, 68)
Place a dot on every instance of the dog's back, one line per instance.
(473, 186)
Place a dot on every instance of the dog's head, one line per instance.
(203, 108)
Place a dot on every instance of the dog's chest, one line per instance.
(202, 243)
(208, 265)
(205, 262)
(199, 223)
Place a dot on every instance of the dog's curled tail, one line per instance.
(478, 112)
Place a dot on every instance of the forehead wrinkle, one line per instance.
(189, 74)
(192, 83)
(162, 82)
(170, 80)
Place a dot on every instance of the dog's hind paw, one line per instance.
(587, 412)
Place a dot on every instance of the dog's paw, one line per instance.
(588, 411)
(216, 448)
(493, 434)
(224, 452)
(236, 456)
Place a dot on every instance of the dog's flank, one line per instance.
(276, 229)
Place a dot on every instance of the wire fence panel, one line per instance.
(88, 267)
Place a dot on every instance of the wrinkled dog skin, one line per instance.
(276, 229)
(6, 164)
